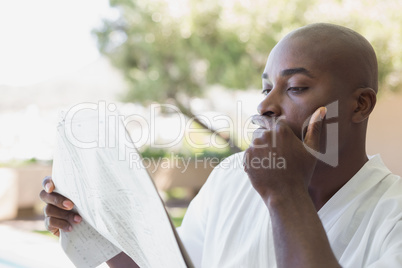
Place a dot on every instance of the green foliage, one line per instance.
(20, 163)
(46, 233)
(169, 49)
(177, 221)
(177, 217)
(187, 152)
(150, 152)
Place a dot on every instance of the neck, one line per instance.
(327, 180)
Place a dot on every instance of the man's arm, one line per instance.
(299, 237)
(121, 260)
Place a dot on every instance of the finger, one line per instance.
(258, 133)
(52, 224)
(55, 212)
(246, 159)
(313, 134)
(47, 184)
(54, 231)
(262, 138)
(56, 199)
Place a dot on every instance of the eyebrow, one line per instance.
(292, 71)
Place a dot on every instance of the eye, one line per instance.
(266, 91)
(297, 90)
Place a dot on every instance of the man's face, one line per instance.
(297, 80)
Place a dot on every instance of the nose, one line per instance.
(270, 106)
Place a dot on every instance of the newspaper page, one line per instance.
(116, 198)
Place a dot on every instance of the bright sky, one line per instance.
(44, 38)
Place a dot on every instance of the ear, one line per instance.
(365, 100)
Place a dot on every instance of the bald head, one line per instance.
(342, 51)
(322, 65)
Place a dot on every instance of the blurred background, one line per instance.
(204, 57)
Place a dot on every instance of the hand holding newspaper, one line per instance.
(117, 200)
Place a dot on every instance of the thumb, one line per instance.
(313, 135)
(47, 184)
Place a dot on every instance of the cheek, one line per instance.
(296, 119)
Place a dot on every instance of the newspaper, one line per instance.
(118, 202)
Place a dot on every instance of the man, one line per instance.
(307, 212)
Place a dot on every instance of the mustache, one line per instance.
(269, 123)
(266, 122)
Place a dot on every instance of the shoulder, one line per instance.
(228, 171)
(390, 202)
(226, 179)
(387, 219)
(388, 192)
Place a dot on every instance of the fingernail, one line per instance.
(323, 112)
(47, 187)
(68, 204)
(77, 218)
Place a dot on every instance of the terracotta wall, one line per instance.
(385, 131)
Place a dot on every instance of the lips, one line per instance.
(266, 122)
